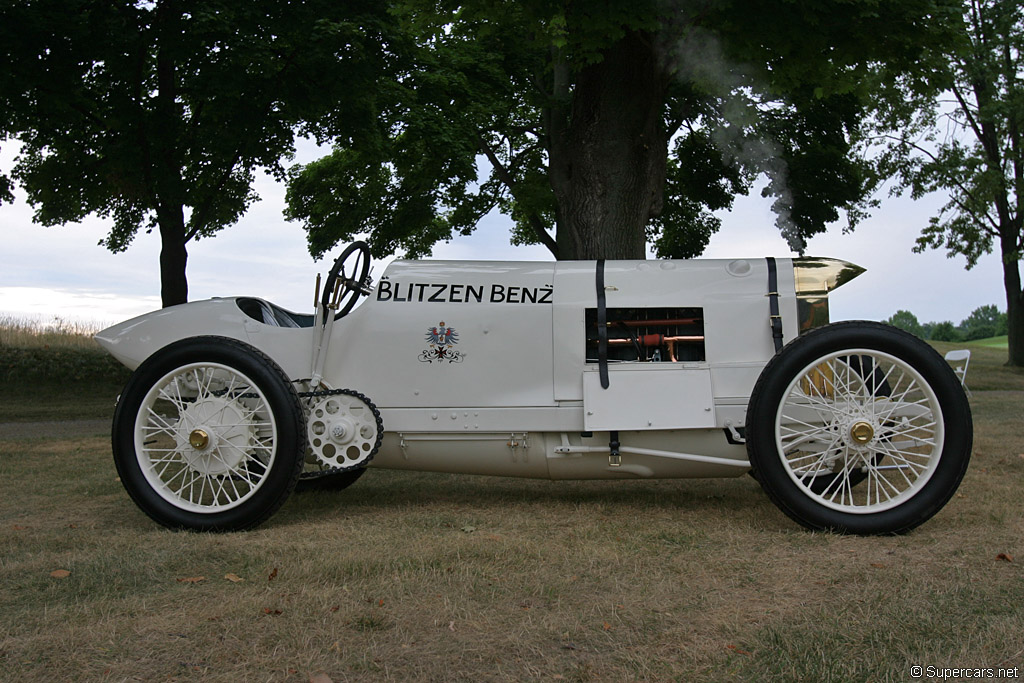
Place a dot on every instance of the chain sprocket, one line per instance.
(344, 430)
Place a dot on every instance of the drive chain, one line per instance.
(307, 397)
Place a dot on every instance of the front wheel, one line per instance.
(842, 449)
(209, 435)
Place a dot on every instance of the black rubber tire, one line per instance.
(282, 401)
(769, 393)
(330, 482)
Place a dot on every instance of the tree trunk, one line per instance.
(173, 256)
(167, 163)
(1015, 329)
(608, 161)
(1014, 304)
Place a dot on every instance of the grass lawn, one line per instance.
(432, 577)
(995, 342)
(987, 370)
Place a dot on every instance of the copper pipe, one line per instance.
(664, 340)
(663, 321)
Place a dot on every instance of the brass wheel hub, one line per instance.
(199, 439)
(862, 432)
(215, 435)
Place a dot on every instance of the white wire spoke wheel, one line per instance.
(873, 451)
(207, 435)
(208, 451)
(859, 427)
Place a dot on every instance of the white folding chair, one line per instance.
(960, 359)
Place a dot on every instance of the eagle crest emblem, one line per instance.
(441, 339)
(442, 336)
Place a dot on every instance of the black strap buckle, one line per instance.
(602, 326)
(775, 318)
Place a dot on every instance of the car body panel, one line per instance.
(461, 357)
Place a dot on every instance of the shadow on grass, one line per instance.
(386, 492)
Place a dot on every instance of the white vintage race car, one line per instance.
(561, 370)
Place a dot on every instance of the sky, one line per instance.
(61, 272)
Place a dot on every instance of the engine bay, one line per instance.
(648, 335)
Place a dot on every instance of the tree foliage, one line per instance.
(970, 145)
(905, 320)
(982, 323)
(607, 125)
(157, 113)
(944, 331)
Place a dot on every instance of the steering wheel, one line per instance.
(351, 269)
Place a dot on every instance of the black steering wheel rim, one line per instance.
(352, 282)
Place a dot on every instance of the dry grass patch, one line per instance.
(54, 333)
(427, 577)
(431, 577)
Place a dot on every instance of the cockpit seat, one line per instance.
(271, 314)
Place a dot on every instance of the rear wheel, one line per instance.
(863, 376)
(859, 427)
(208, 435)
